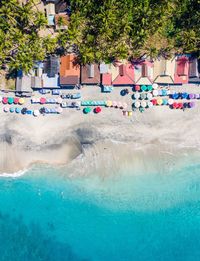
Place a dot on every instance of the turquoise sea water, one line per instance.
(46, 216)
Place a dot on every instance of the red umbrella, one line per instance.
(43, 100)
(180, 105)
(16, 100)
(154, 101)
(137, 87)
(98, 109)
(5, 100)
(175, 105)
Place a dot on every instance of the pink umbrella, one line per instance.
(114, 104)
(42, 100)
(125, 105)
(16, 100)
(5, 100)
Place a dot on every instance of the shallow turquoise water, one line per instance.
(46, 216)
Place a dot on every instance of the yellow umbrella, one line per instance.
(109, 103)
(21, 101)
(159, 101)
(130, 113)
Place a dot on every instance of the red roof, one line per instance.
(106, 79)
(182, 70)
(125, 76)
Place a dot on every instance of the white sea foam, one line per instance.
(14, 175)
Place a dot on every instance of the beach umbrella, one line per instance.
(191, 104)
(164, 92)
(149, 104)
(43, 100)
(143, 88)
(109, 103)
(59, 110)
(114, 103)
(23, 111)
(87, 110)
(10, 100)
(159, 92)
(6, 109)
(5, 100)
(155, 92)
(149, 88)
(125, 105)
(175, 96)
(180, 105)
(17, 110)
(149, 96)
(184, 95)
(143, 96)
(185, 105)
(191, 95)
(21, 101)
(12, 109)
(196, 96)
(125, 113)
(143, 104)
(97, 109)
(16, 100)
(36, 113)
(154, 102)
(119, 105)
(33, 100)
(168, 92)
(137, 88)
(170, 101)
(130, 113)
(165, 101)
(136, 95)
(137, 104)
(159, 101)
(155, 86)
(1, 98)
(175, 105)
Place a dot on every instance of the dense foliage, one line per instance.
(20, 43)
(100, 30)
(105, 30)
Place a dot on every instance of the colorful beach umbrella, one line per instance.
(137, 104)
(180, 105)
(191, 104)
(149, 88)
(165, 101)
(43, 100)
(5, 100)
(155, 86)
(109, 103)
(16, 100)
(175, 105)
(17, 110)
(143, 104)
(164, 92)
(21, 101)
(155, 92)
(136, 95)
(170, 101)
(87, 110)
(143, 96)
(159, 101)
(10, 100)
(159, 92)
(143, 88)
(191, 96)
(149, 104)
(6, 109)
(12, 109)
(196, 96)
(154, 102)
(184, 95)
(97, 109)
(137, 88)
(175, 96)
(149, 96)
(130, 113)
(114, 103)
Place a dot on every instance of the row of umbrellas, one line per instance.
(185, 95)
(116, 104)
(142, 96)
(88, 110)
(145, 87)
(12, 100)
(181, 105)
(93, 103)
(43, 100)
(32, 112)
(143, 104)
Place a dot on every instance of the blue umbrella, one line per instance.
(175, 96)
(164, 92)
(12, 109)
(17, 110)
(184, 95)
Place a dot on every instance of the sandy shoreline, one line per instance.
(105, 141)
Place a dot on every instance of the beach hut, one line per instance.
(136, 104)
(21, 101)
(136, 95)
(155, 93)
(155, 86)
(143, 88)
(17, 110)
(12, 109)
(159, 101)
(87, 110)
(6, 109)
(10, 100)
(137, 88)
(97, 109)
(5, 100)
(143, 104)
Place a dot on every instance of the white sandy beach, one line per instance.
(104, 141)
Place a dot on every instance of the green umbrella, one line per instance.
(87, 110)
(149, 87)
(144, 88)
(10, 100)
(143, 96)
